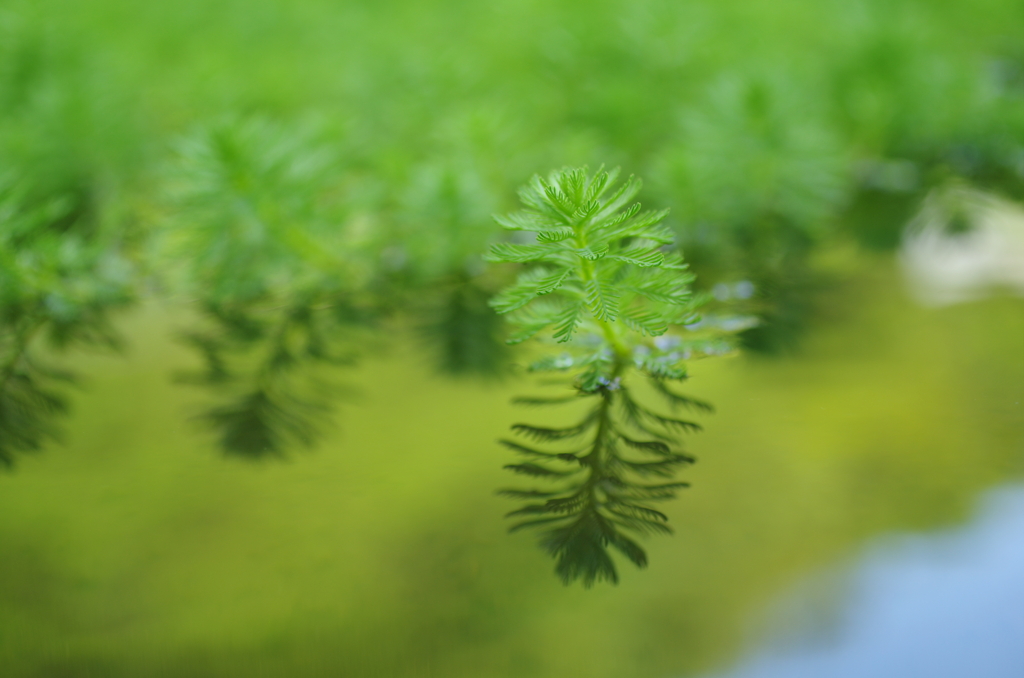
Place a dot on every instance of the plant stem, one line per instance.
(597, 458)
(588, 274)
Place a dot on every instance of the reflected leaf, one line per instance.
(272, 374)
(463, 330)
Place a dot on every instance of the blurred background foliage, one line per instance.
(282, 187)
(266, 161)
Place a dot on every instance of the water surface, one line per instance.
(944, 605)
(135, 549)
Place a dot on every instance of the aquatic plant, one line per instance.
(254, 240)
(603, 279)
(61, 279)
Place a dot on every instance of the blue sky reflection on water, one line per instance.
(939, 605)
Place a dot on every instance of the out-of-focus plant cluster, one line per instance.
(307, 176)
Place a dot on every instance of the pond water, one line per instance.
(942, 606)
(135, 549)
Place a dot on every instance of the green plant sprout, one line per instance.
(603, 278)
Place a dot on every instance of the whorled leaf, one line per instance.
(610, 290)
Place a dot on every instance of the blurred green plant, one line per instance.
(59, 287)
(759, 181)
(67, 260)
(439, 228)
(257, 239)
(267, 233)
(601, 280)
(774, 134)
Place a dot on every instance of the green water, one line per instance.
(135, 550)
